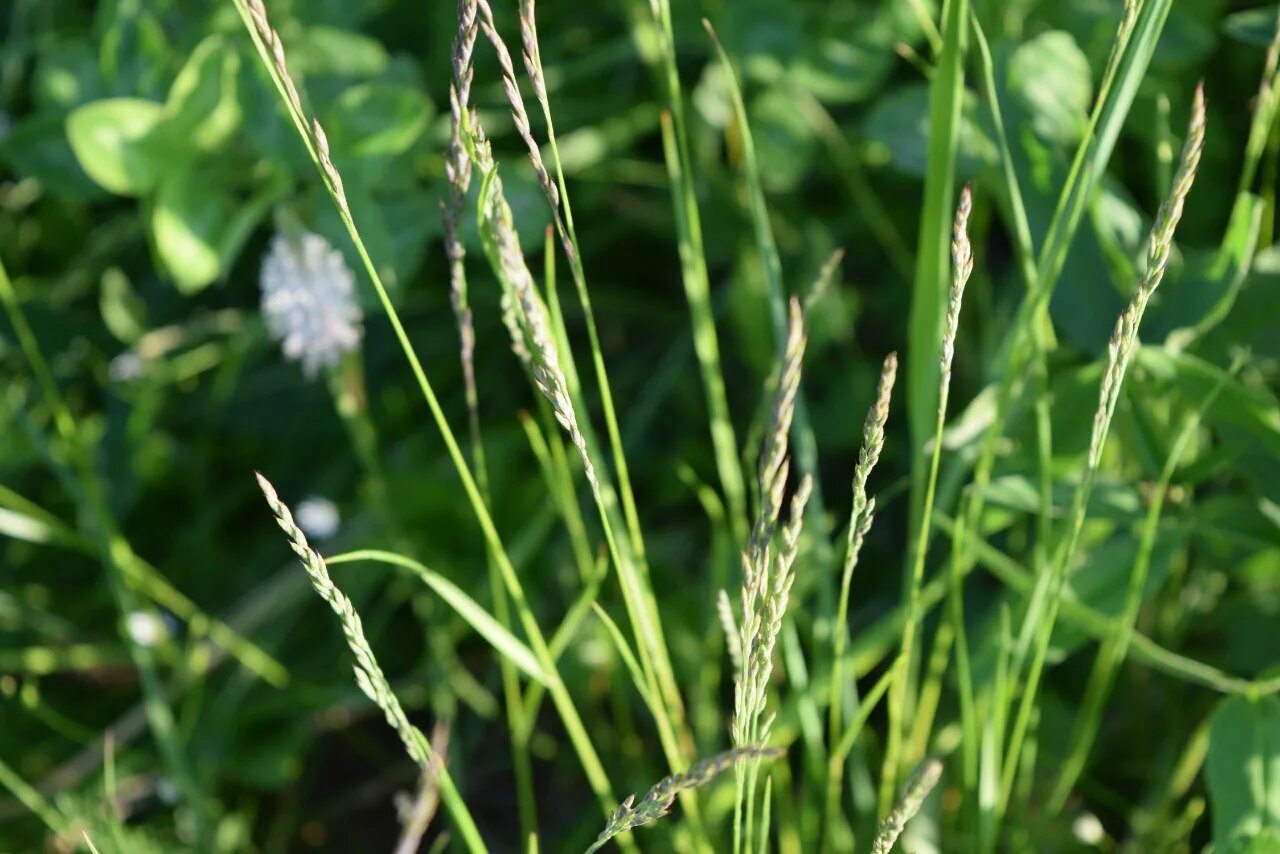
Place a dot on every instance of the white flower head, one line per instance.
(317, 517)
(146, 628)
(309, 301)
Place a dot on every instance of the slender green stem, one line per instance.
(1112, 652)
(693, 263)
(560, 696)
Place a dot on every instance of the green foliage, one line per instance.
(1088, 647)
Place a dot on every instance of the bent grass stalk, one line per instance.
(458, 171)
(657, 802)
(510, 264)
(1120, 349)
(271, 51)
(558, 197)
(369, 676)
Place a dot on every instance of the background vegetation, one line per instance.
(152, 618)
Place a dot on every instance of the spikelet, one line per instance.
(732, 640)
(657, 802)
(918, 789)
(533, 319)
(369, 675)
(1159, 245)
(767, 576)
(961, 270)
(511, 87)
(275, 58)
(457, 168)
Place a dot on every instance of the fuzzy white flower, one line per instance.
(146, 628)
(317, 517)
(309, 301)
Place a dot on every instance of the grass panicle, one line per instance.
(913, 798)
(900, 693)
(535, 322)
(1046, 598)
(767, 574)
(657, 802)
(369, 676)
(861, 515)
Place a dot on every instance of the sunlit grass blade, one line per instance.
(502, 641)
(693, 267)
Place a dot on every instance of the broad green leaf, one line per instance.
(1248, 407)
(1243, 772)
(123, 312)
(112, 140)
(898, 132)
(38, 148)
(330, 50)
(188, 219)
(783, 139)
(853, 54)
(1253, 26)
(503, 642)
(378, 119)
(1050, 76)
(67, 75)
(203, 107)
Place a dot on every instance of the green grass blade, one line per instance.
(503, 641)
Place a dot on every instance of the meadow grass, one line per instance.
(821, 693)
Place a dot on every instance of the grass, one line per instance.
(674, 591)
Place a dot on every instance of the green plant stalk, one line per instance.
(1112, 652)
(554, 464)
(961, 269)
(849, 737)
(1123, 341)
(574, 726)
(1264, 114)
(946, 95)
(931, 691)
(693, 264)
(522, 762)
(30, 798)
(112, 551)
(1101, 626)
(1090, 162)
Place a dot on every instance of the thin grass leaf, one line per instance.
(499, 637)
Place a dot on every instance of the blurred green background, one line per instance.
(144, 164)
